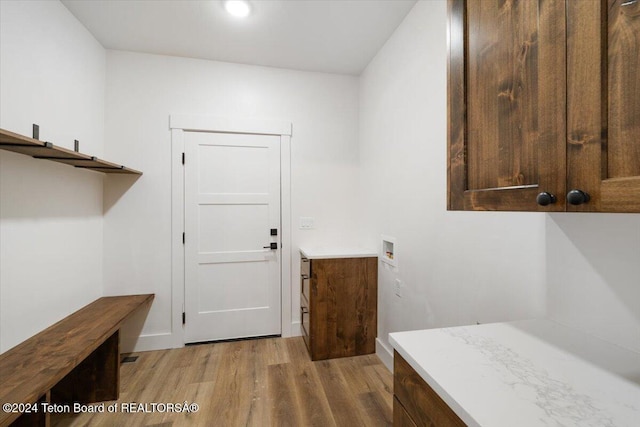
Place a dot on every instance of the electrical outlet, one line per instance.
(397, 286)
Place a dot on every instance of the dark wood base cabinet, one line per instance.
(338, 305)
(415, 403)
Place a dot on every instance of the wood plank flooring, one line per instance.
(264, 382)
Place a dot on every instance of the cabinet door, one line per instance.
(603, 104)
(506, 105)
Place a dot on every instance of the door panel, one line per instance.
(502, 98)
(232, 201)
(624, 90)
(620, 190)
(228, 227)
(507, 82)
(603, 111)
(237, 286)
(234, 170)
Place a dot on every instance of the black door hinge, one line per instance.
(183, 238)
(184, 318)
(183, 158)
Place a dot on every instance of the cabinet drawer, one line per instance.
(305, 267)
(304, 321)
(400, 416)
(423, 405)
(304, 287)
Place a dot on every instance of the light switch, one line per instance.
(306, 222)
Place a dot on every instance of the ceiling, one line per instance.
(335, 36)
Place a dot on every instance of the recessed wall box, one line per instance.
(388, 251)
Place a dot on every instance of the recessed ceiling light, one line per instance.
(238, 8)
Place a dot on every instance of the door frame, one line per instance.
(180, 123)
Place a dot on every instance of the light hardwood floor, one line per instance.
(264, 382)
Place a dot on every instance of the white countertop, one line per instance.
(526, 373)
(336, 252)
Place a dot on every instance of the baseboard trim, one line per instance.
(155, 342)
(296, 329)
(385, 353)
(167, 340)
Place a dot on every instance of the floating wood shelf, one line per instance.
(45, 150)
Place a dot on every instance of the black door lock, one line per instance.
(274, 231)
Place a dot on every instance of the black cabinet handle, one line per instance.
(577, 197)
(545, 199)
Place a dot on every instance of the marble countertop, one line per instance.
(337, 252)
(526, 373)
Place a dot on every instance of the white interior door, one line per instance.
(232, 202)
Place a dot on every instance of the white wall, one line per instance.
(143, 90)
(368, 155)
(593, 274)
(456, 267)
(52, 72)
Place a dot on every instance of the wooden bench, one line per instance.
(74, 360)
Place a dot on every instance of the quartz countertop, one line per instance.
(526, 373)
(337, 252)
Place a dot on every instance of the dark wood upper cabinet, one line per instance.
(544, 97)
